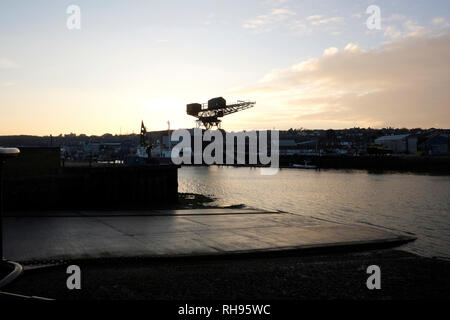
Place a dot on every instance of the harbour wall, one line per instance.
(431, 164)
(37, 182)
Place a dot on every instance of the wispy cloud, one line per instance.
(314, 17)
(287, 19)
(392, 32)
(275, 3)
(440, 24)
(395, 17)
(316, 22)
(270, 20)
(407, 28)
(398, 26)
(439, 21)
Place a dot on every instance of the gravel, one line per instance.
(335, 276)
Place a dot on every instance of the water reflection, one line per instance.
(414, 203)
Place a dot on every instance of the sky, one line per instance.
(307, 64)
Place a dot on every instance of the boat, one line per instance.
(304, 166)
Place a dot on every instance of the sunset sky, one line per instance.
(310, 64)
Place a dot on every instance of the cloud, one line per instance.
(400, 26)
(314, 17)
(439, 21)
(7, 64)
(392, 32)
(270, 20)
(316, 22)
(284, 18)
(275, 3)
(394, 17)
(282, 12)
(404, 83)
(413, 28)
(330, 51)
(440, 24)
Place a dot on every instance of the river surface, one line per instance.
(414, 203)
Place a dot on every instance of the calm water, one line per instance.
(413, 203)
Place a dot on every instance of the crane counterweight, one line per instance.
(208, 114)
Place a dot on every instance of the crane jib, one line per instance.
(208, 114)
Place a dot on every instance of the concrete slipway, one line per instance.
(179, 233)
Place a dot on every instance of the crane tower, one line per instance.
(208, 114)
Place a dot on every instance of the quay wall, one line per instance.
(432, 164)
(108, 187)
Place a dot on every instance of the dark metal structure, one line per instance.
(143, 136)
(15, 269)
(208, 114)
(5, 153)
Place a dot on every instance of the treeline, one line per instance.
(56, 141)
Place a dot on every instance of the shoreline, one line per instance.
(375, 170)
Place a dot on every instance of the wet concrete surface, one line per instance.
(177, 233)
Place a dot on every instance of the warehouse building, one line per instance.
(436, 145)
(401, 143)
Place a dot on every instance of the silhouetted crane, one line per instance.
(208, 114)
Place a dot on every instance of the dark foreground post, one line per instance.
(4, 154)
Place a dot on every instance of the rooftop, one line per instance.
(393, 137)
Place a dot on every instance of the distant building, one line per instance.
(436, 145)
(310, 144)
(92, 147)
(287, 146)
(401, 143)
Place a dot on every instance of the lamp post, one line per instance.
(5, 153)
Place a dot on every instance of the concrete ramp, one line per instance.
(180, 233)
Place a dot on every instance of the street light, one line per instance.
(5, 153)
